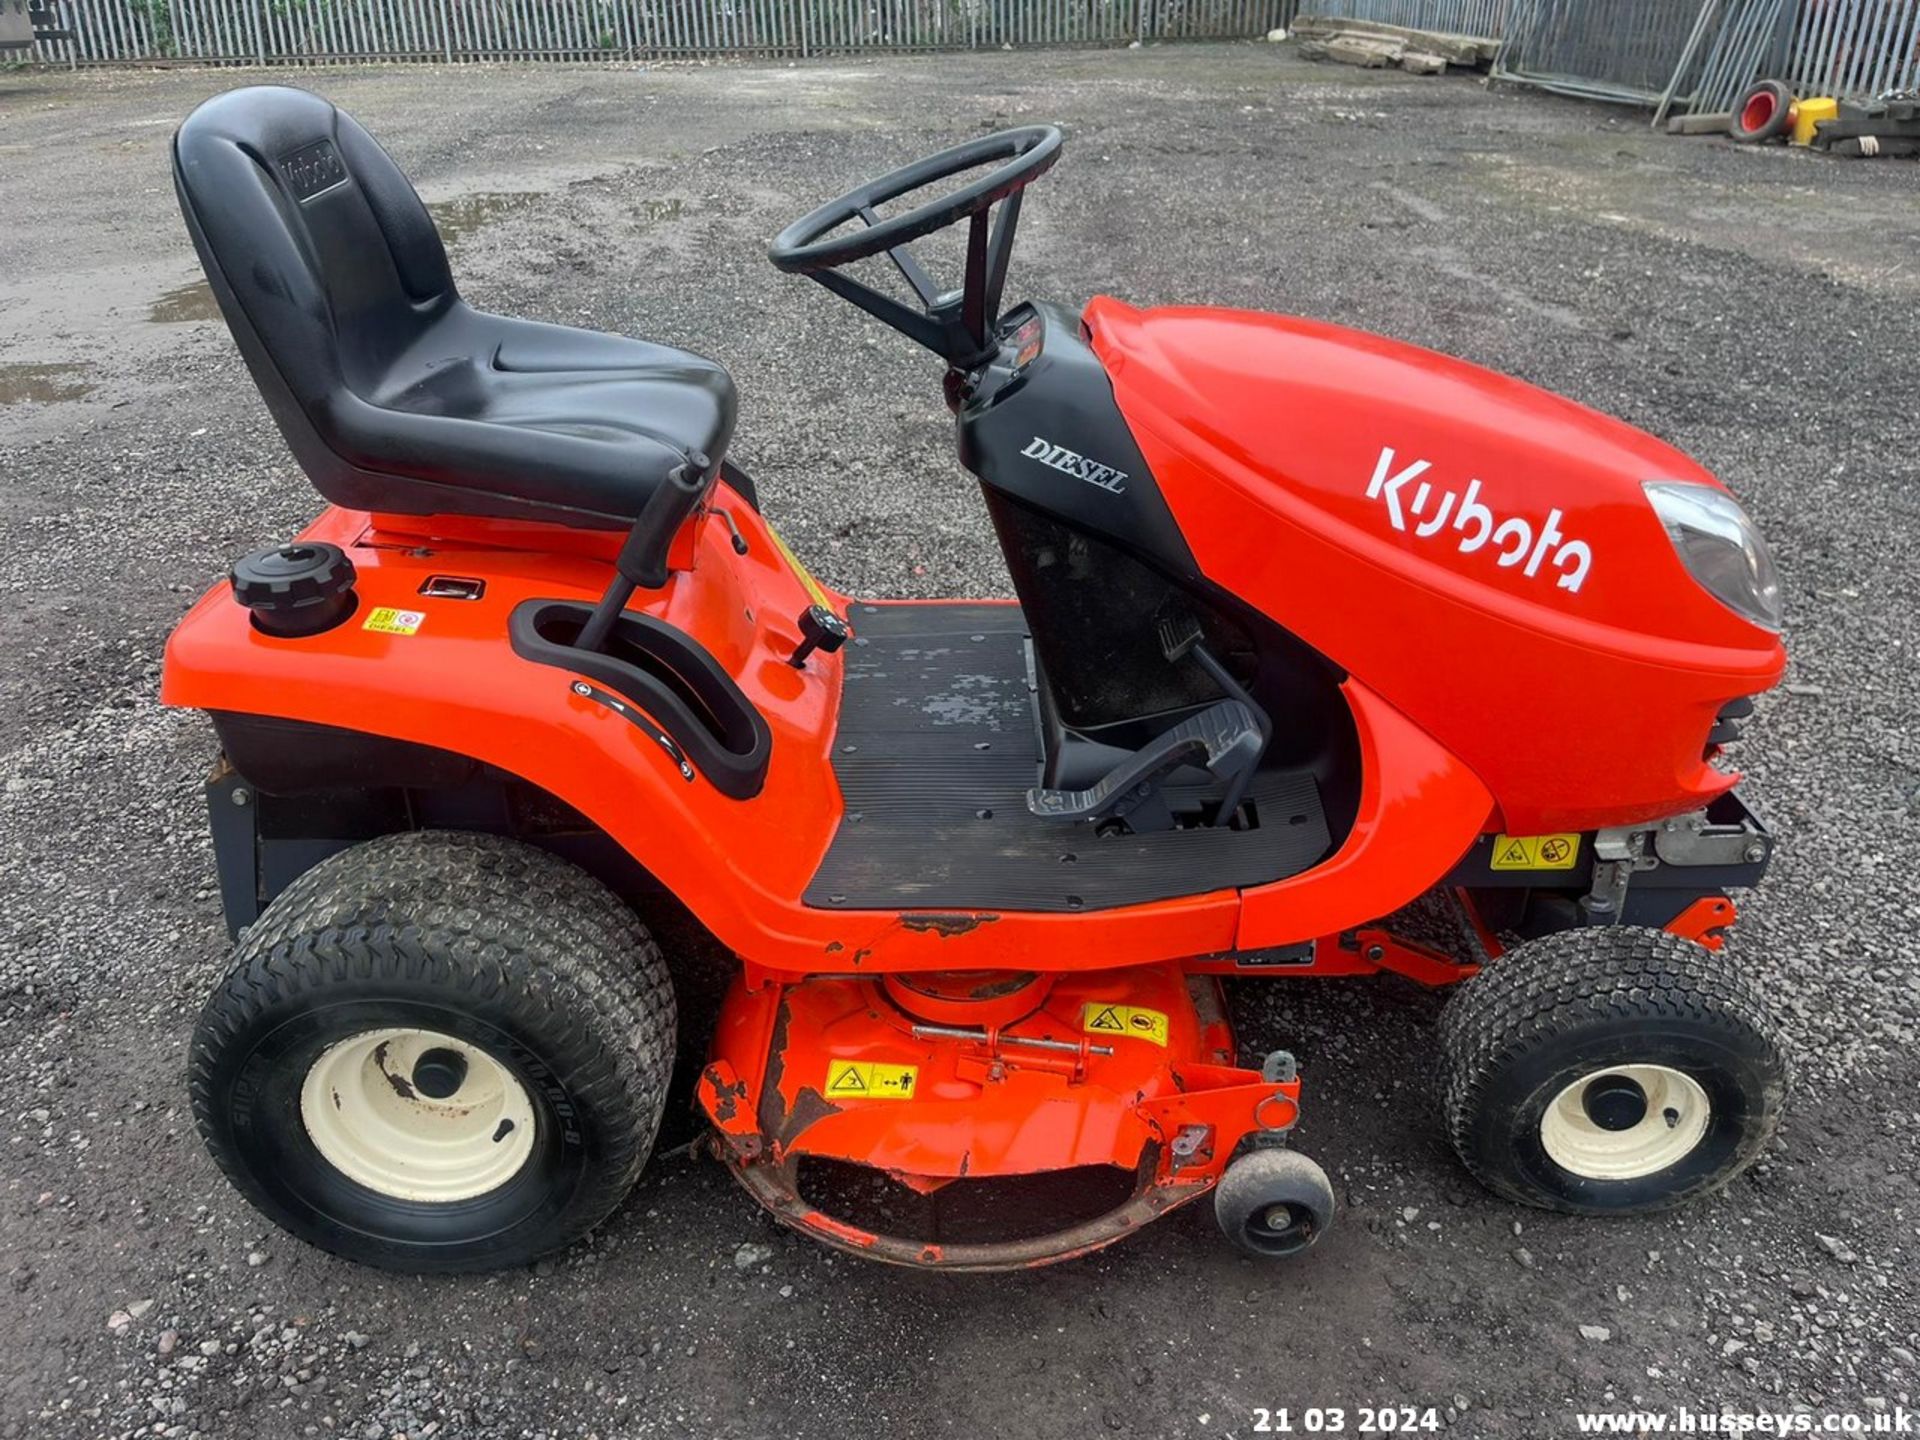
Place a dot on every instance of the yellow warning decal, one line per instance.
(389, 621)
(1535, 852)
(870, 1080)
(1135, 1020)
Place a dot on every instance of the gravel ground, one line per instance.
(1755, 307)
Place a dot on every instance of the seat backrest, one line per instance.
(324, 261)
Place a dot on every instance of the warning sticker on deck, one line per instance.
(1135, 1020)
(870, 1080)
(389, 621)
(1535, 852)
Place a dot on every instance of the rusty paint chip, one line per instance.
(726, 1098)
(947, 926)
(402, 1086)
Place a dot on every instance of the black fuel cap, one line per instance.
(297, 589)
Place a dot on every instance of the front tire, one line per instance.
(1609, 1071)
(437, 1051)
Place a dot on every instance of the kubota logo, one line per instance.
(1514, 540)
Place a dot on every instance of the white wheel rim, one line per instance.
(1677, 1111)
(369, 1119)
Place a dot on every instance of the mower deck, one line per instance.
(937, 745)
(971, 1090)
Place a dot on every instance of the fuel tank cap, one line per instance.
(297, 589)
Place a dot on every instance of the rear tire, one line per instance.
(1609, 1071)
(437, 1051)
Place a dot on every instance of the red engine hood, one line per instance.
(1476, 550)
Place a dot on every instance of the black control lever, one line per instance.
(643, 558)
(820, 629)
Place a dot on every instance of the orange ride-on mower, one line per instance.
(1311, 626)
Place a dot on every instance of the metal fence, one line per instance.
(319, 31)
(1855, 48)
(1486, 18)
(1752, 42)
(1704, 55)
(1696, 54)
(1699, 54)
(1600, 49)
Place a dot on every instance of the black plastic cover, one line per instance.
(666, 674)
(1049, 433)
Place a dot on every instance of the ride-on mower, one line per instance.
(1314, 630)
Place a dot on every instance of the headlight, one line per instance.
(1720, 548)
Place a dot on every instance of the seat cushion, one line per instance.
(393, 393)
(573, 420)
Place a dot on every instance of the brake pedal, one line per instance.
(1224, 737)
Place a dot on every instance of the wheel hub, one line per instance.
(439, 1074)
(1614, 1102)
(417, 1115)
(1625, 1122)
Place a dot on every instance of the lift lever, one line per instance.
(643, 557)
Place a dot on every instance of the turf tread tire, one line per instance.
(495, 926)
(1536, 998)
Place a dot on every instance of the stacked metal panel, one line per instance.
(1621, 50)
(1705, 56)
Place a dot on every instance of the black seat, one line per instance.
(393, 393)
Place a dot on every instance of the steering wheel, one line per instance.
(1029, 152)
(956, 326)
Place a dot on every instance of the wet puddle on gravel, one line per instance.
(25, 384)
(193, 301)
(464, 214)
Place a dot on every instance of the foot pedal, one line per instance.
(1224, 737)
(1179, 632)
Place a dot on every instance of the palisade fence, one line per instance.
(1856, 48)
(1693, 53)
(324, 31)
(1484, 18)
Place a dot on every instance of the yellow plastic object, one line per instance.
(1809, 113)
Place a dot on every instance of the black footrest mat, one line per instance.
(936, 750)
